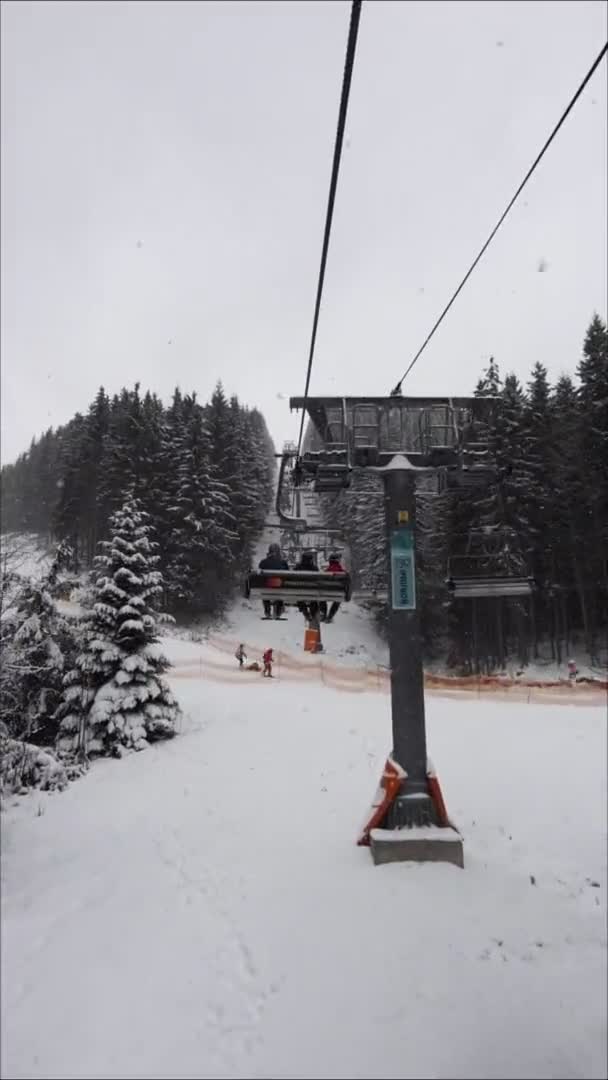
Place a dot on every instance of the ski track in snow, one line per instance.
(201, 910)
(240, 995)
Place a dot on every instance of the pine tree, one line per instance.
(115, 697)
(490, 383)
(243, 463)
(121, 458)
(566, 602)
(255, 482)
(92, 520)
(220, 432)
(199, 560)
(536, 451)
(593, 374)
(69, 507)
(37, 643)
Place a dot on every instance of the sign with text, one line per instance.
(403, 571)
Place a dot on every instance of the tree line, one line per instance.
(203, 474)
(544, 514)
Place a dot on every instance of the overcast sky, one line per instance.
(165, 170)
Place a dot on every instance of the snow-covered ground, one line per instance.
(201, 909)
(350, 641)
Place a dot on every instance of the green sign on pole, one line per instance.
(403, 570)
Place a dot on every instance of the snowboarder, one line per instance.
(273, 561)
(241, 656)
(572, 670)
(268, 659)
(334, 567)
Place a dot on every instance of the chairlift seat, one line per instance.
(332, 478)
(472, 587)
(298, 586)
(469, 478)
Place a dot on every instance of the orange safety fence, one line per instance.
(376, 679)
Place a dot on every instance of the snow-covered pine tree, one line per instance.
(219, 428)
(490, 383)
(240, 473)
(257, 472)
(154, 463)
(37, 644)
(115, 697)
(568, 603)
(68, 508)
(593, 373)
(120, 461)
(535, 450)
(200, 561)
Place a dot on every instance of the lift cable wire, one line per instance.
(348, 70)
(397, 389)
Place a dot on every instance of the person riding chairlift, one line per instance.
(334, 567)
(273, 561)
(308, 563)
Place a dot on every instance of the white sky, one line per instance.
(165, 170)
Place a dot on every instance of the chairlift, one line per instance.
(287, 521)
(473, 576)
(298, 586)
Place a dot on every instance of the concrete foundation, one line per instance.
(423, 844)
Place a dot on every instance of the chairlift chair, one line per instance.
(473, 576)
(298, 586)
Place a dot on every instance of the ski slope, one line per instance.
(201, 909)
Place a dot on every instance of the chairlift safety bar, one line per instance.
(298, 586)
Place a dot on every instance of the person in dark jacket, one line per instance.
(273, 561)
(308, 563)
(334, 567)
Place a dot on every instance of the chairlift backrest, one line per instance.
(473, 588)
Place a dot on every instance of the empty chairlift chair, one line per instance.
(472, 576)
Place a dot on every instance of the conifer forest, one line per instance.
(203, 473)
(165, 505)
(545, 515)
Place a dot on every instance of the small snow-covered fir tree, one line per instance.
(115, 698)
(36, 642)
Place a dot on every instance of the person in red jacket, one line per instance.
(334, 567)
(268, 659)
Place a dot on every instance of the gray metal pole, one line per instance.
(413, 806)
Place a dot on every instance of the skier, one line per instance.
(273, 561)
(334, 567)
(241, 656)
(268, 661)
